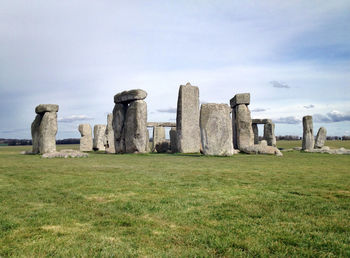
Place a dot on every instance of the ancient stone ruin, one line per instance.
(269, 131)
(109, 140)
(308, 133)
(320, 138)
(187, 119)
(99, 137)
(160, 143)
(216, 129)
(86, 137)
(44, 129)
(130, 122)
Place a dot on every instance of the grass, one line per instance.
(175, 205)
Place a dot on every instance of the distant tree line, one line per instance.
(14, 142)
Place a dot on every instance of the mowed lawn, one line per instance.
(175, 205)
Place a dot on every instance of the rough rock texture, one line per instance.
(238, 99)
(163, 124)
(242, 126)
(308, 133)
(163, 147)
(173, 140)
(65, 154)
(262, 148)
(86, 137)
(36, 134)
(320, 138)
(256, 133)
(42, 108)
(158, 136)
(216, 129)
(99, 137)
(119, 113)
(326, 149)
(129, 96)
(261, 121)
(269, 134)
(48, 131)
(109, 144)
(187, 119)
(136, 133)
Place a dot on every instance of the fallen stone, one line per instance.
(321, 138)
(308, 133)
(262, 148)
(326, 149)
(99, 137)
(129, 96)
(238, 99)
(65, 154)
(86, 137)
(109, 144)
(42, 108)
(119, 113)
(216, 129)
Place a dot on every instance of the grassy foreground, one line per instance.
(175, 205)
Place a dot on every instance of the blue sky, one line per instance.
(292, 56)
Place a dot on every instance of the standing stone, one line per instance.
(243, 126)
(173, 140)
(36, 134)
(269, 134)
(109, 146)
(158, 136)
(256, 133)
(216, 130)
(320, 138)
(99, 137)
(136, 133)
(86, 137)
(119, 113)
(308, 133)
(187, 119)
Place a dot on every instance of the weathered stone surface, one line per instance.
(238, 99)
(42, 108)
(326, 149)
(173, 140)
(86, 137)
(256, 133)
(119, 113)
(130, 95)
(320, 138)
(261, 121)
(243, 126)
(163, 147)
(308, 133)
(187, 119)
(65, 154)
(109, 145)
(48, 131)
(158, 136)
(163, 124)
(136, 133)
(261, 148)
(216, 129)
(36, 134)
(269, 134)
(99, 137)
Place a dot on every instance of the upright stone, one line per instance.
(86, 137)
(158, 136)
(119, 113)
(308, 133)
(36, 134)
(256, 133)
(136, 133)
(216, 130)
(99, 137)
(187, 119)
(320, 138)
(109, 146)
(243, 125)
(269, 134)
(173, 140)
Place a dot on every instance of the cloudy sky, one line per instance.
(292, 56)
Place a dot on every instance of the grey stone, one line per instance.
(163, 147)
(163, 124)
(48, 131)
(86, 137)
(256, 133)
(187, 119)
(261, 121)
(238, 99)
(216, 129)
(42, 108)
(65, 154)
(261, 148)
(119, 113)
(242, 126)
(35, 129)
(99, 137)
(158, 136)
(326, 149)
(269, 134)
(109, 145)
(320, 138)
(129, 96)
(136, 133)
(173, 140)
(308, 133)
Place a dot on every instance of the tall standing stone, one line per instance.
(109, 146)
(216, 129)
(99, 137)
(119, 113)
(86, 137)
(256, 133)
(308, 133)
(173, 140)
(158, 136)
(187, 119)
(136, 133)
(36, 134)
(320, 138)
(269, 134)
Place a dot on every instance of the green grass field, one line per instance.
(175, 205)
